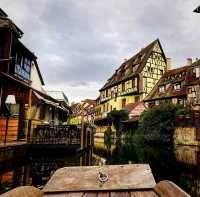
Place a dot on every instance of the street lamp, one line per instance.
(10, 100)
(197, 10)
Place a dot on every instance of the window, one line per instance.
(26, 68)
(110, 107)
(133, 83)
(137, 99)
(123, 103)
(161, 88)
(177, 86)
(23, 67)
(106, 93)
(115, 97)
(107, 107)
(161, 72)
(112, 94)
(104, 108)
(123, 87)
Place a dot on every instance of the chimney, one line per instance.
(189, 61)
(169, 64)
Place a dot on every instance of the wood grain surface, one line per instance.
(120, 177)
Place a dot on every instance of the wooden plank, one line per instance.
(120, 194)
(169, 189)
(132, 176)
(75, 194)
(90, 194)
(56, 195)
(103, 194)
(143, 194)
(65, 194)
(23, 191)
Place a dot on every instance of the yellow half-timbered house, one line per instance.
(133, 80)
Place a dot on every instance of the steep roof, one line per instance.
(182, 74)
(137, 63)
(90, 101)
(5, 22)
(2, 13)
(58, 95)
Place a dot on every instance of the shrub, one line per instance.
(157, 123)
(117, 116)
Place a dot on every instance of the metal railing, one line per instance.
(55, 134)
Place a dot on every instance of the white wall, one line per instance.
(36, 82)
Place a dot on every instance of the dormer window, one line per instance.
(161, 88)
(177, 86)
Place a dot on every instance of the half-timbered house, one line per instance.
(132, 81)
(178, 86)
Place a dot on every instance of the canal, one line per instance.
(179, 164)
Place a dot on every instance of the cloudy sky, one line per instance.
(79, 43)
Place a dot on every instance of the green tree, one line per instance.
(117, 116)
(157, 123)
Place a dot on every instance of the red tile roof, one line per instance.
(183, 75)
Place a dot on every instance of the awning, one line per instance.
(47, 101)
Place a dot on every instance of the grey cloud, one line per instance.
(82, 42)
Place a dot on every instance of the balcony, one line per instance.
(129, 91)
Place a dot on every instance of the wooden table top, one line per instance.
(148, 193)
(133, 180)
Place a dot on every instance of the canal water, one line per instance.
(35, 166)
(179, 164)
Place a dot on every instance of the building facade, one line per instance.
(131, 83)
(178, 86)
(134, 79)
(20, 78)
(82, 112)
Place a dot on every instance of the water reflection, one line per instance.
(179, 164)
(176, 163)
(36, 167)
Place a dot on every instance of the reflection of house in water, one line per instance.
(189, 158)
(38, 167)
(99, 144)
(187, 154)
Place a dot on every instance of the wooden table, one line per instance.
(134, 180)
